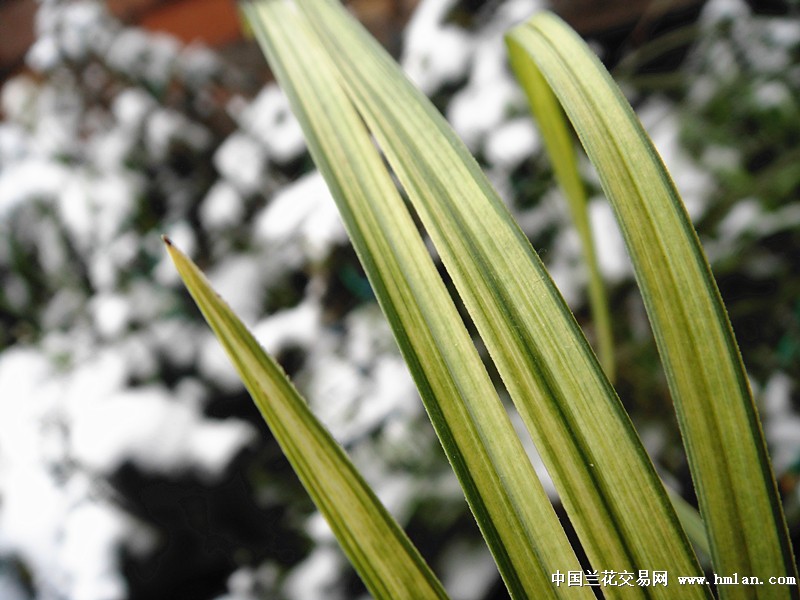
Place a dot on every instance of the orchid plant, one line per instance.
(366, 125)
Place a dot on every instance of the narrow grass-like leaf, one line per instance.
(606, 481)
(561, 151)
(553, 125)
(716, 413)
(376, 545)
(509, 504)
(693, 525)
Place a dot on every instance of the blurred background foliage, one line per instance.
(133, 464)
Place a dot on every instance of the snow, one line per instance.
(16, 292)
(781, 422)
(74, 207)
(87, 554)
(198, 63)
(13, 143)
(302, 214)
(513, 12)
(70, 412)
(740, 219)
(435, 53)
(391, 391)
(783, 33)
(177, 341)
(28, 180)
(214, 365)
(29, 524)
(113, 197)
(222, 207)
(135, 348)
(336, 388)
(721, 158)
(150, 57)
(252, 584)
(269, 119)
(748, 218)
(131, 107)
(57, 127)
(123, 249)
(241, 582)
(44, 54)
(213, 445)
(772, 94)
(368, 336)
(158, 434)
(241, 160)
(468, 571)
(612, 255)
(80, 21)
(316, 576)
(23, 402)
(72, 542)
(483, 104)
(128, 50)
(166, 127)
(162, 55)
(102, 271)
(111, 313)
(298, 326)
(353, 398)
(715, 11)
(512, 143)
(110, 148)
(51, 254)
(65, 533)
(17, 96)
(31, 504)
(238, 280)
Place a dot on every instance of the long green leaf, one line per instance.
(558, 141)
(606, 480)
(693, 525)
(562, 154)
(509, 504)
(716, 413)
(376, 545)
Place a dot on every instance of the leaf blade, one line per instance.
(602, 472)
(562, 156)
(391, 567)
(715, 409)
(504, 493)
